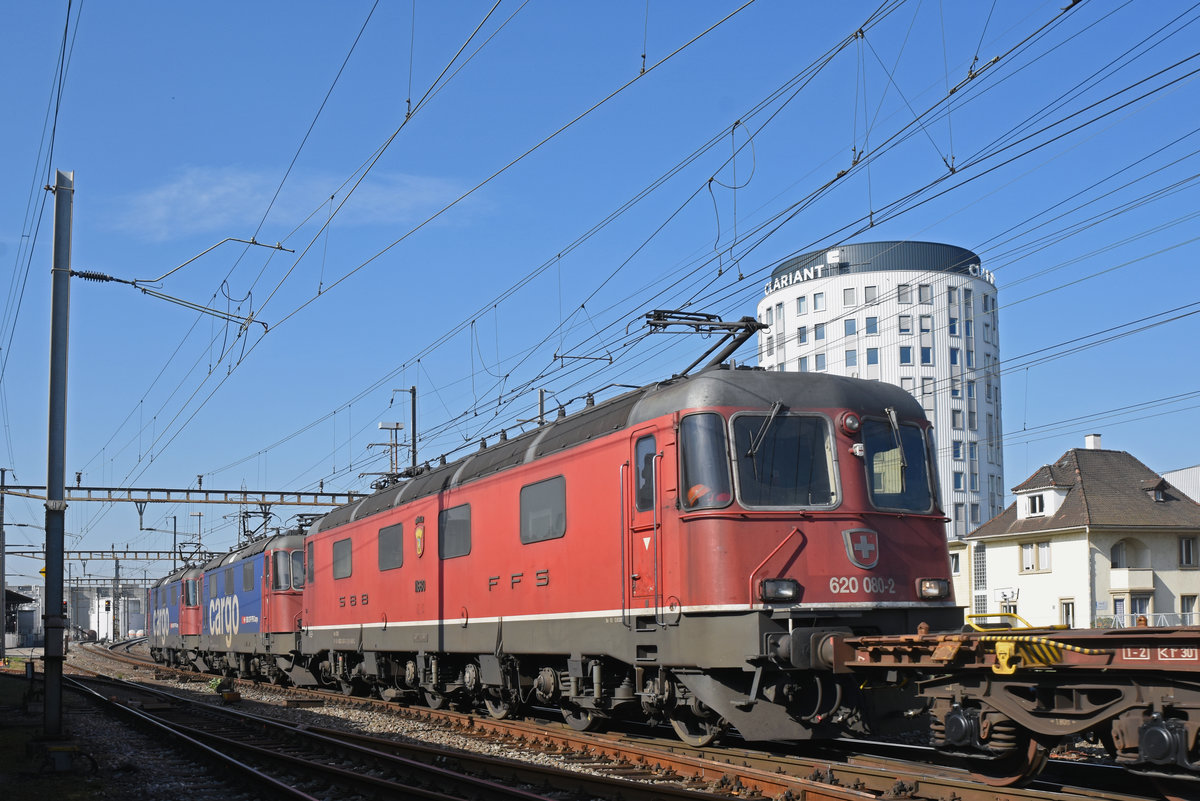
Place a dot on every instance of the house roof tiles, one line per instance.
(1104, 488)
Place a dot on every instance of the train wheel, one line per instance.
(434, 700)
(497, 707)
(695, 731)
(581, 719)
(1027, 761)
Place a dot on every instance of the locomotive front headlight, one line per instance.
(933, 588)
(779, 590)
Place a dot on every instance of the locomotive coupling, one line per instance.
(805, 648)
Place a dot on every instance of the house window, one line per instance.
(954, 356)
(1187, 610)
(872, 325)
(959, 480)
(979, 567)
(956, 418)
(1187, 551)
(975, 514)
(770, 345)
(851, 326)
(926, 355)
(803, 367)
(819, 331)
(956, 387)
(852, 358)
(1116, 555)
(801, 305)
(1066, 608)
(1037, 505)
(908, 384)
(802, 335)
(926, 323)
(968, 328)
(952, 328)
(779, 313)
(906, 354)
(1035, 557)
(870, 294)
(905, 324)
(1139, 605)
(904, 293)
(872, 355)
(925, 293)
(956, 449)
(954, 565)
(819, 301)
(820, 362)
(951, 294)
(848, 296)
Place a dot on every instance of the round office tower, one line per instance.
(921, 315)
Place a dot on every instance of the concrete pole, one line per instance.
(56, 450)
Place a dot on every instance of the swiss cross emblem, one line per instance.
(862, 547)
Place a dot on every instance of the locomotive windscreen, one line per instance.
(784, 460)
(898, 478)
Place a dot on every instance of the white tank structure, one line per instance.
(921, 315)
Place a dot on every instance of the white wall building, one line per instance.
(921, 315)
(1095, 539)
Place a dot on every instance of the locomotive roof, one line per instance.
(256, 547)
(716, 386)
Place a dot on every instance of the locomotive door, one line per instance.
(642, 489)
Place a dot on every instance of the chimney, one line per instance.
(1092, 442)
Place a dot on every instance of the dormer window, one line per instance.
(1037, 505)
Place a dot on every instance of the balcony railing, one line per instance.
(1163, 619)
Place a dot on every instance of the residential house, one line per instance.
(1095, 539)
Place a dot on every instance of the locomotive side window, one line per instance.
(310, 563)
(248, 575)
(191, 593)
(341, 559)
(705, 462)
(298, 570)
(391, 547)
(281, 578)
(897, 477)
(544, 510)
(212, 585)
(784, 460)
(227, 581)
(644, 464)
(454, 531)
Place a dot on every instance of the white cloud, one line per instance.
(230, 201)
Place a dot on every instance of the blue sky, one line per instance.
(543, 196)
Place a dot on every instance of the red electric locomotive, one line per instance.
(174, 622)
(683, 552)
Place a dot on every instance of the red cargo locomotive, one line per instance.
(684, 552)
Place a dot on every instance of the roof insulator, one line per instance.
(562, 412)
(483, 444)
(503, 435)
(591, 400)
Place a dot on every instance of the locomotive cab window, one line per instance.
(281, 576)
(297, 569)
(898, 475)
(544, 510)
(391, 547)
(454, 531)
(644, 464)
(191, 593)
(704, 462)
(342, 551)
(784, 460)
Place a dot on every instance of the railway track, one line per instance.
(874, 772)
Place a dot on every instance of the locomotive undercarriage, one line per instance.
(701, 674)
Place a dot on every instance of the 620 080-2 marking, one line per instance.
(839, 585)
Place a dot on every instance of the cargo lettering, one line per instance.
(223, 617)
